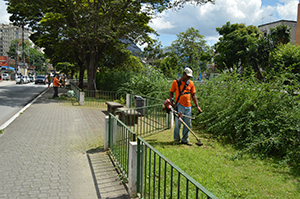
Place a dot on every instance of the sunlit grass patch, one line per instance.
(218, 168)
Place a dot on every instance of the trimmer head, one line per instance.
(199, 143)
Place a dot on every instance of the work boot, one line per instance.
(187, 143)
(176, 142)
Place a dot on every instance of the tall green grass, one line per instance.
(261, 118)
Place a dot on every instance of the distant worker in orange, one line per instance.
(55, 86)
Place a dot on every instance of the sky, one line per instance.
(208, 17)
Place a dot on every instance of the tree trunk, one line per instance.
(81, 69)
(92, 65)
(81, 74)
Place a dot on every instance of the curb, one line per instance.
(8, 122)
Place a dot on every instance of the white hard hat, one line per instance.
(188, 72)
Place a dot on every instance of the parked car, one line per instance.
(19, 79)
(26, 79)
(31, 78)
(40, 79)
(5, 76)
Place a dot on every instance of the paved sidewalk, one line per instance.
(50, 151)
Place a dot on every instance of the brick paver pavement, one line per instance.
(52, 151)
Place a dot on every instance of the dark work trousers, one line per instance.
(55, 92)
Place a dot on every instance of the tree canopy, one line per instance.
(243, 46)
(89, 27)
(191, 48)
(233, 45)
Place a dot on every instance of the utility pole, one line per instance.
(23, 53)
(16, 59)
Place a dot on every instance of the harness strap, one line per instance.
(181, 92)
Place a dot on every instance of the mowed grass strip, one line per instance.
(217, 168)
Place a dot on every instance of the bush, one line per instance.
(262, 118)
(285, 57)
(110, 80)
(150, 82)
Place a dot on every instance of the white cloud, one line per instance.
(208, 17)
(288, 11)
(159, 23)
(4, 17)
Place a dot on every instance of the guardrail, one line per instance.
(119, 137)
(158, 177)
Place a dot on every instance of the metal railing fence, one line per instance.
(158, 177)
(148, 101)
(98, 98)
(76, 89)
(145, 120)
(119, 137)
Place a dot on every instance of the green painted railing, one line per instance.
(144, 120)
(158, 177)
(76, 89)
(119, 137)
(98, 98)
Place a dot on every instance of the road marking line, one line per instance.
(8, 122)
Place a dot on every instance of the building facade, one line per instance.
(298, 26)
(265, 28)
(9, 32)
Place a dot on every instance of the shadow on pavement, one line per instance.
(107, 180)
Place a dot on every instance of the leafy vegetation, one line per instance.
(285, 58)
(149, 82)
(31, 54)
(257, 117)
(189, 49)
(244, 47)
(90, 31)
(252, 122)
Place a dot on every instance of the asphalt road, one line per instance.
(13, 97)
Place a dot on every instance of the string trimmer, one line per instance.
(168, 107)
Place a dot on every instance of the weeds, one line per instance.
(256, 117)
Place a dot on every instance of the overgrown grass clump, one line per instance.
(262, 118)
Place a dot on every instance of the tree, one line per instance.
(280, 34)
(153, 51)
(233, 45)
(90, 26)
(33, 56)
(259, 52)
(169, 65)
(192, 50)
(285, 58)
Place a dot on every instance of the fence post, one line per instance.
(81, 98)
(106, 133)
(141, 149)
(114, 131)
(128, 101)
(132, 169)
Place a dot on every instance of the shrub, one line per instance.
(110, 80)
(149, 82)
(258, 117)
